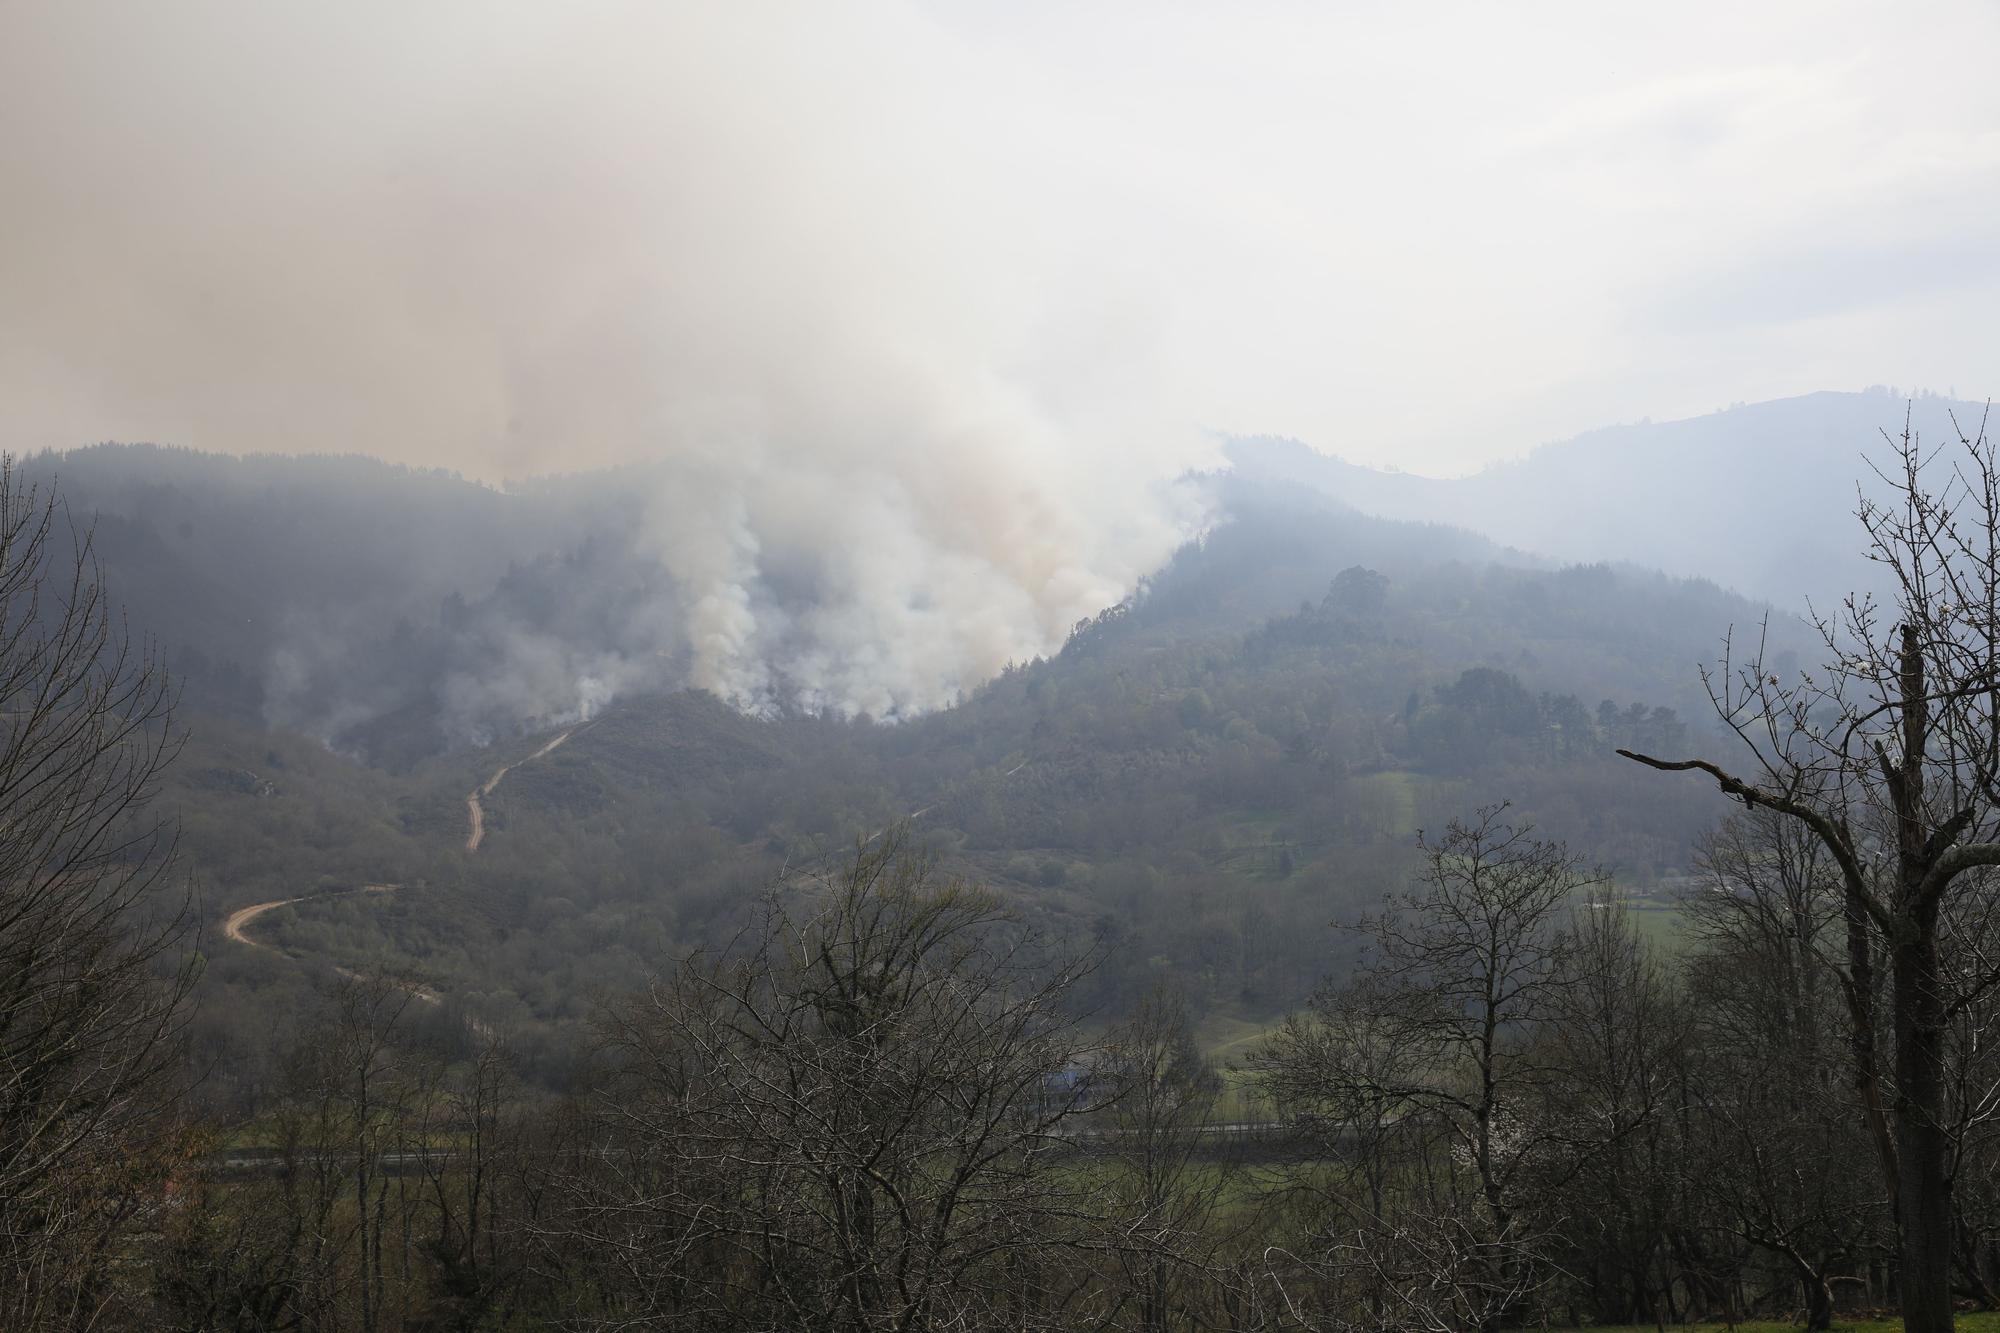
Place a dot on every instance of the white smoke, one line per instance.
(852, 593)
(896, 428)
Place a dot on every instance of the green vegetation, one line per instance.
(1199, 785)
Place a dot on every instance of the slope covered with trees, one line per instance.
(1203, 777)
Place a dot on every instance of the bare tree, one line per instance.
(1163, 1196)
(347, 1088)
(851, 1123)
(1619, 1040)
(1777, 1129)
(377, 1209)
(465, 1136)
(91, 920)
(1337, 1076)
(1890, 755)
(1454, 1010)
(1972, 1073)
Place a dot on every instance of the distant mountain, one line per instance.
(398, 614)
(1757, 498)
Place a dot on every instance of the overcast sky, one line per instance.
(520, 237)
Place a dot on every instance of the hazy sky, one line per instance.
(512, 237)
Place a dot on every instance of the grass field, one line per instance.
(1227, 1038)
(1985, 1321)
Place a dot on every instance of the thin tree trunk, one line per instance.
(1922, 1145)
(1860, 995)
(1819, 1302)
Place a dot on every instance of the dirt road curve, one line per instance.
(477, 813)
(243, 916)
(237, 925)
(233, 928)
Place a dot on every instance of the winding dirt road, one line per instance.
(234, 927)
(478, 812)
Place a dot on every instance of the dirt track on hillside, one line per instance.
(234, 927)
(237, 924)
(477, 813)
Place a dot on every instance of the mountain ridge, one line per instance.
(1750, 497)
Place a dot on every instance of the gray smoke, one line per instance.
(892, 433)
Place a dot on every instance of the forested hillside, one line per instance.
(400, 615)
(1199, 782)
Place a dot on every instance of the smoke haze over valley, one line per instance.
(902, 323)
(999, 666)
(870, 464)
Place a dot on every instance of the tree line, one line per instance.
(880, 1110)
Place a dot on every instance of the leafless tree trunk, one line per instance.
(1890, 756)
(92, 917)
(463, 1134)
(1441, 1047)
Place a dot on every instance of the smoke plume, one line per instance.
(887, 430)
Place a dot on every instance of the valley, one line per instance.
(1195, 823)
(993, 668)
(1204, 782)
